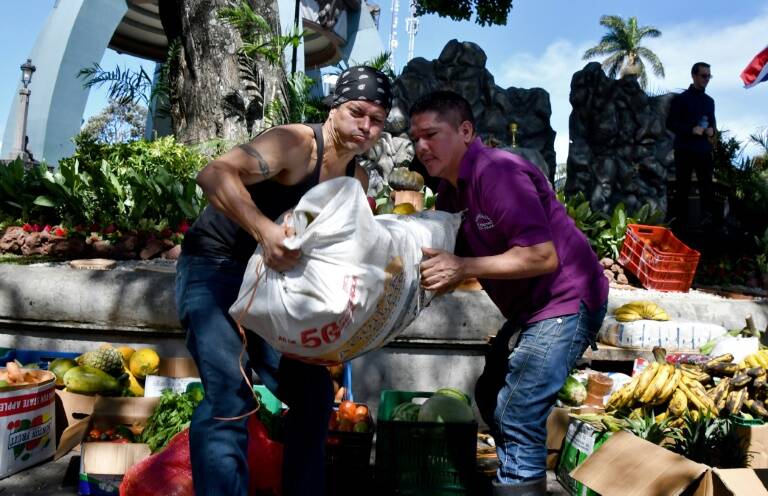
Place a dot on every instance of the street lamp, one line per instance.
(20, 145)
(26, 72)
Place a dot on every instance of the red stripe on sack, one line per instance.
(26, 403)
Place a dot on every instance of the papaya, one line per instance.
(90, 380)
(59, 367)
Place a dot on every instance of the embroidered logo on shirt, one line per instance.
(484, 222)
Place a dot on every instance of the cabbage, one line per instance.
(442, 408)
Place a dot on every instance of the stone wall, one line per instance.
(461, 68)
(620, 148)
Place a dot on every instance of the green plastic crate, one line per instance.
(422, 458)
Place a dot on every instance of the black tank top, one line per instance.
(215, 235)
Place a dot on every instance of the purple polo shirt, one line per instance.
(509, 202)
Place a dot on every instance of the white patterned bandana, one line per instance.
(363, 83)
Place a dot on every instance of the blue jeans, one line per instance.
(517, 390)
(205, 289)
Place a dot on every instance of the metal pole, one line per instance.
(21, 125)
(296, 28)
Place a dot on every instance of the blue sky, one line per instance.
(541, 46)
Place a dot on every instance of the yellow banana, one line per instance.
(646, 376)
(669, 388)
(658, 382)
(679, 403)
(761, 359)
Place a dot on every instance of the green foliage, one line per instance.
(117, 123)
(622, 45)
(488, 12)
(710, 440)
(301, 105)
(646, 427)
(379, 62)
(127, 184)
(605, 233)
(171, 416)
(746, 180)
(19, 188)
(259, 37)
(126, 86)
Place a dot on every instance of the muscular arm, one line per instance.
(224, 180)
(443, 270)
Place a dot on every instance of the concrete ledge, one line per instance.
(136, 300)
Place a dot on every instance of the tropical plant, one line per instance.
(128, 86)
(710, 440)
(289, 99)
(19, 188)
(128, 184)
(645, 426)
(379, 62)
(606, 233)
(622, 45)
(259, 37)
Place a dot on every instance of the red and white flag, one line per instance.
(756, 71)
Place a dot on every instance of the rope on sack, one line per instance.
(244, 339)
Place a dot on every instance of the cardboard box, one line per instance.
(557, 426)
(626, 465)
(757, 441)
(103, 464)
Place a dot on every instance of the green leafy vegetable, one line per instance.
(172, 415)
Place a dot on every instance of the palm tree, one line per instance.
(622, 45)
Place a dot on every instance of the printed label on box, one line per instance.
(155, 384)
(27, 425)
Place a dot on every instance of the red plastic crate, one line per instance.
(660, 260)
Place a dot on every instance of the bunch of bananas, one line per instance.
(757, 359)
(717, 387)
(639, 310)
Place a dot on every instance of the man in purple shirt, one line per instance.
(535, 265)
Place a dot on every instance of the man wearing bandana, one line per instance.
(248, 188)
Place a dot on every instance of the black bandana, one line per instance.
(363, 83)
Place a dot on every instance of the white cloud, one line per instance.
(727, 48)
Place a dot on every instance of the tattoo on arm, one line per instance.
(253, 152)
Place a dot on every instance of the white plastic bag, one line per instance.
(356, 285)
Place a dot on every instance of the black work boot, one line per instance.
(537, 487)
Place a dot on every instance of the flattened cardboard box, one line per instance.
(629, 466)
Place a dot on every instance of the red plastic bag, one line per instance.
(265, 461)
(169, 472)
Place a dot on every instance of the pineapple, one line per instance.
(105, 358)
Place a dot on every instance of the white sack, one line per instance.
(356, 285)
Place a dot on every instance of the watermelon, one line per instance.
(442, 408)
(573, 392)
(406, 412)
(455, 393)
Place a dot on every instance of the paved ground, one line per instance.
(59, 478)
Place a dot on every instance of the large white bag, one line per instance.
(356, 285)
